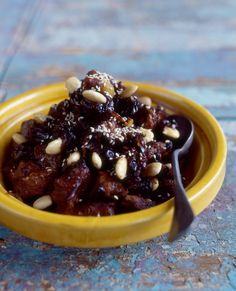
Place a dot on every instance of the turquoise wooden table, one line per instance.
(188, 46)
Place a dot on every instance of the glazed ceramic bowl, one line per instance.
(206, 164)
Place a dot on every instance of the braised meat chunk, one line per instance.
(30, 180)
(71, 185)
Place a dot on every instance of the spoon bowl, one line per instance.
(186, 129)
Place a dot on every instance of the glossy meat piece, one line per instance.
(31, 180)
(57, 111)
(108, 188)
(156, 151)
(134, 202)
(34, 132)
(102, 82)
(138, 184)
(90, 83)
(168, 185)
(149, 117)
(28, 129)
(18, 152)
(96, 209)
(9, 171)
(71, 185)
(47, 161)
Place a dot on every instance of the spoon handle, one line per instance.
(183, 213)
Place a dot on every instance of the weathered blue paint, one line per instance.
(9, 20)
(178, 66)
(188, 46)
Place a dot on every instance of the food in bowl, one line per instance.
(103, 151)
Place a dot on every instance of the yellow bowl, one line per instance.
(207, 165)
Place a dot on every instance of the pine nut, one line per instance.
(148, 134)
(96, 160)
(94, 96)
(168, 165)
(43, 202)
(145, 100)
(73, 158)
(108, 88)
(129, 91)
(121, 168)
(40, 118)
(54, 147)
(72, 84)
(19, 138)
(171, 132)
(153, 169)
(155, 184)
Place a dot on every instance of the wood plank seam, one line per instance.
(21, 30)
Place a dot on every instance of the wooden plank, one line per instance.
(9, 20)
(220, 100)
(8, 24)
(134, 46)
(16, 17)
(121, 26)
(218, 97)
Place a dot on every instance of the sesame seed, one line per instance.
(116, 134)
